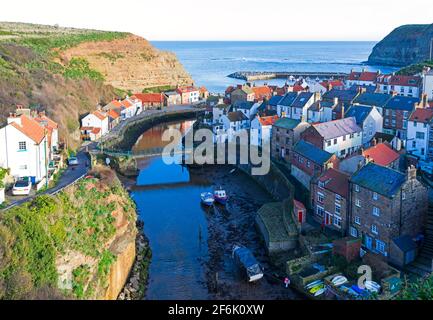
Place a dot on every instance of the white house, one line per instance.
(24, 148)
(363, 78)
(248, 108)
(283, 106)
(261, 130)
(368, 118)
(418, 133)
(234, 122)
(340, 137)
(188, 94)
(427, 84)
(299, 107)
(408, 86)
(95, 120)
(321, 111)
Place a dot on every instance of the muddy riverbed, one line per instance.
(191, 244)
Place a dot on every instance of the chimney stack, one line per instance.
(335, 101)
(411, 172)
(342, 111)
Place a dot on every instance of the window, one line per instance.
(375, 196)
(414, 123)
(403, 195)
(374, 229)
(420, 135)
(338, 198)
(376, 211)
(353, 232)
(335, 141)
(356, 188)
(328, 143)
(337, 221)
(380, 246)
(23, 167)
(344, 138)
(320, 211)
(320, 197)
(22, 146)
(308, 164)
(321, 184)
(358, 203)
(358, 220)
(337, 209)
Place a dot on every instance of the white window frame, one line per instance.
(22, 145)
(358, 203)
(374, 229)
(376, 211)
(375, 196)
(358, 220)
(353, 232)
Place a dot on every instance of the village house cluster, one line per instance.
(353, 144)
(99, 122)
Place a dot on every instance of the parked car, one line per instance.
(73, 161)
(22, 188)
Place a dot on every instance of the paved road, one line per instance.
(69, 176)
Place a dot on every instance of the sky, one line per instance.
(308, 20)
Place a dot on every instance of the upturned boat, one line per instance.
(245, 260)
(207, 198)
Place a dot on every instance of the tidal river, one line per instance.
(191, 244)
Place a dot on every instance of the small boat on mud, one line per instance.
(245, 260)
(207, 198)
(220, 196)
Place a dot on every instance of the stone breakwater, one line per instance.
(265, 75)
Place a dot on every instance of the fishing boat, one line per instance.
(220, 196)
(245, 260)
(207, 198)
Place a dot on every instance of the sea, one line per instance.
(210, 62)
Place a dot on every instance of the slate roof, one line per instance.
(275, 100)
(341, 94)
(337, 128)
(360, 113)
(373, 99)
(379, 179)
(311, 152)
(384, 136)
(302, 99)
(246, 105)
(287, 123)
(402, 103)
(236, 116)
(320, 104)
(288, 99)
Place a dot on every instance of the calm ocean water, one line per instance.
(209, 63)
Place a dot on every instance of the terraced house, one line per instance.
(396, 115)
(340, 137)
(308, 162)
(408, 86)
(385, 205)
(330, 200)
(285, 134)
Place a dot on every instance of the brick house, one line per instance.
(341, 137)
(285, 134)
(385, 205)
(308, 162)
(396, 115)
(242, 93)
(330, 199)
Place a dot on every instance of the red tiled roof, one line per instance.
(99, 115)
(116, 103)
(229, 89)
(186, 89)
(30, 128)
(262, 92)
(126, 103)
(363, 76)
(421, 115)
(397, 80)
(336, 181)
(203, 90)
(268, 121)
(333, 83)
(113, 114)
(150, 97)
(50, 124)
(298, 88)
(96, 130)
(381, 154)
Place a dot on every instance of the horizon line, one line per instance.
(257, 40)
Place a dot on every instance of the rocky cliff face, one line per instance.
(405, 45)
(131, 63)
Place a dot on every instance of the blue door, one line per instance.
(368, 242)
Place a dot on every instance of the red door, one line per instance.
(300, 216)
